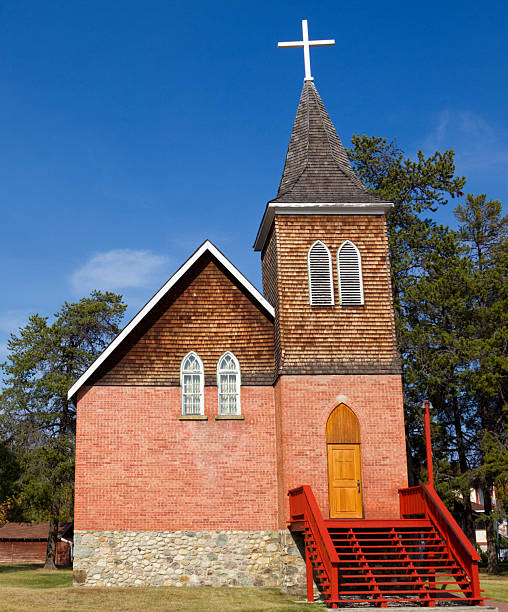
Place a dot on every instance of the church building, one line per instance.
(216, 401)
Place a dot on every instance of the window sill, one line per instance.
(230, 417)
(192, 417)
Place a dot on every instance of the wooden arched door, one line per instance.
(344, 464)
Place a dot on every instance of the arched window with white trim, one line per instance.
(228, 383)
(320, 275)
(349, 264)
(192, 382)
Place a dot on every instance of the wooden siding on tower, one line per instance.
(271, 286)
(207, 312)
(330, 339)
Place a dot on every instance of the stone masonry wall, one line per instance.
(188, 558)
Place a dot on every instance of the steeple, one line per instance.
(317, 169)
(317, 175)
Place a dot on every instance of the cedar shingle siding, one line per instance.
(331, 339)
(271, 286)
(206, 312)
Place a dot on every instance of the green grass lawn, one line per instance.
(495, 587)
(31, 576)
(31, 588)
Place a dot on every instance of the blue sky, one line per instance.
(131, 131)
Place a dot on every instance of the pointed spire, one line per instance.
(317, 168)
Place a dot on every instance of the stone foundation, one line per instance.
(188, 558)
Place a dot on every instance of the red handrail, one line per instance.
(424, 500)
(303, 507)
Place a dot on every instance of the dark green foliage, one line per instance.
(9, 472)
(449, 290)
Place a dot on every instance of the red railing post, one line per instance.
(335, 585)
(475, 584)
(304, 511)
(310, 576)
(424, 499)
(428, 445)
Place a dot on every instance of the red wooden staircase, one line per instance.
(423, 558)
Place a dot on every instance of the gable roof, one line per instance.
(206, 247)
(30, 531)
(317, 168)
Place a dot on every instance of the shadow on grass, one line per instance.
(19, 567)
(34, 576)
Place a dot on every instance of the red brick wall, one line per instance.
(32, 552)
(305, 405)
(139, 467)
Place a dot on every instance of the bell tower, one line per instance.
(324, 253)
(325, 264)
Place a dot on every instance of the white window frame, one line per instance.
(201, 374)
(238, 384)
(360, 273)
(332, 293)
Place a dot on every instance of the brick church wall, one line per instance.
(305, 403)
(139, 467)
(149, 485)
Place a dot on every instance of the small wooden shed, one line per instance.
(27, 542)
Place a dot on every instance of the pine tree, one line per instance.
(416, 188)
(44, 359)
(485, 231)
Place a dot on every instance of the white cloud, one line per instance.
(479, 145)
(120, 269)
(11, 320)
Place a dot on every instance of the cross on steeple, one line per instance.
(306, 44)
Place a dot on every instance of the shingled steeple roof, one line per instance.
(317, 168)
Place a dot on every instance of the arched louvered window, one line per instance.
(228, 383)
(320, 275)
(192, 381)
(349, 264)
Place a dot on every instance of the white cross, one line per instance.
(306, 44)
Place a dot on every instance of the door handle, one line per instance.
(358, 485)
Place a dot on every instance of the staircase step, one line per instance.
(386, 545)
(406, 575)
(390, 583)
(396, 552)
(395, 562)
(416, 589)
(420, 570)
(378, 524)
(380, 531)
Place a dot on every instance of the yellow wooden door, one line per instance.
(344, 477)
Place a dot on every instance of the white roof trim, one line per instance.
(315, 208)
(206, 246)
